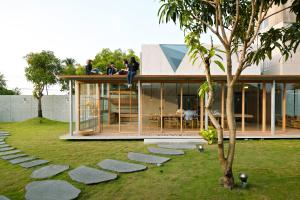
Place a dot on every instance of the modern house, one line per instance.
(165, 101)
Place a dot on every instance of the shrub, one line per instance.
(210, 135)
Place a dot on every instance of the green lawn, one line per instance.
(273, 167)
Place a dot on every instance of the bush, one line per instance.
(210, 135)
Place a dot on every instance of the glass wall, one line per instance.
(293, 107)
(151, 108)
(88, 108)
(191, 107)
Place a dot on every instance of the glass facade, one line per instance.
(175, 109)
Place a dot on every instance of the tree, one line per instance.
(4, 90)
(106, 56)
(42, 70)
(68, 68)
(236, 24)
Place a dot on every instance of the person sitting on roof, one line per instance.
(88, 67)
(111, 69)
(133, 66)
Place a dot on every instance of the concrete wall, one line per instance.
(21, 107)
(155, 62)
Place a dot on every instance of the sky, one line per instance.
(75, 28)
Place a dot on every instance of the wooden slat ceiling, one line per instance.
(180, 78)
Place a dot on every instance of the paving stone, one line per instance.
(3, 197)
(6, 149)
(4, 134)
(178, 146)
(33, 163)
(2, 139)
(9, 152)
(4, 145)
(89, 175)
(146, 158)
(120, 166)
(51, 190)
(49, 171)
(21, 159)
(165, 151)
(9, 157)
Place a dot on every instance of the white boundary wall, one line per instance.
(21, 107)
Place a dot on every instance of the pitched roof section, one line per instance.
(174, 54)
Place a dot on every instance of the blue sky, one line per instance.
(77, 29)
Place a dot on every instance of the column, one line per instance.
(77, 95)
(71, 108)
(284, 108)
(222, 105)
(243, 107)
(161, 107)
(181, 106)
(206, 114)
(273, 108)
(264, 106)
(99, 106)
(139, 108)
(119, 108)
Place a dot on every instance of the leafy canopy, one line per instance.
(42, 70)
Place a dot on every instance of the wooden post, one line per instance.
(108, 104)
(181, 102)
(243, 108)
(264, 107)
(71, 108)
(161, 107)
(77, 92)
(99, 107)
(119, 108)
(222, 105)
(130, 105)
(140, 107)
(284, 108)
(201, 113)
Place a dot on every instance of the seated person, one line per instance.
(111, 69)
(88, 67)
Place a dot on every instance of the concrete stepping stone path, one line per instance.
(33, 163)
(165, 151)
(9, 157)
(4, 145)
(88, 175)
(21, 159)
(178, 146)
(9, 152)
(146, 158)
(49, 171)
(120, 166)
(51, 190)
(6, 149)
(3, 197)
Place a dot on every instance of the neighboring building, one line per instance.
(166, 102)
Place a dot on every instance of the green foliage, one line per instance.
(80, 70)
(42, 70)
(68, 68)
(106, 56)
(4, 90)
(210, 135)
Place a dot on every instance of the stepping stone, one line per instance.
(146, 158)
(9, 157)
(178, 146)
(4, 145)
(4, 134)
(120, 166)
(2, 139)
(21, 159)
(89, 175)
(6, 149)
(9, 152)
(51, 190)
(3, 197)
(165, 151)
(49, 171)
(33, 163)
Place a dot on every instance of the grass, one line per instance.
(273, 167)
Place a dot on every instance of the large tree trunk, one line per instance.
(40, 112)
